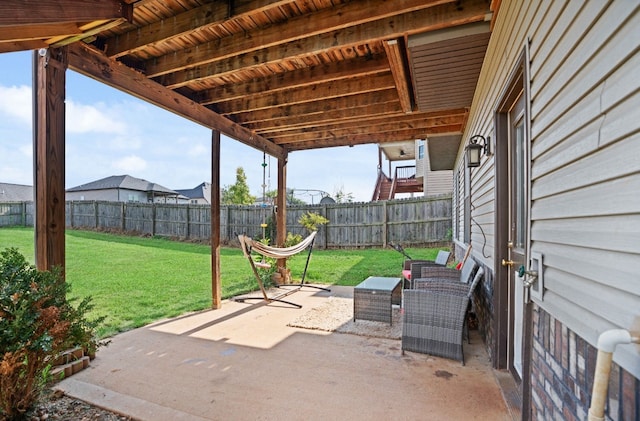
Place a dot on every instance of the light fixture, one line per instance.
(474, 150)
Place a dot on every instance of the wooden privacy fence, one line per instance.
(418, 221)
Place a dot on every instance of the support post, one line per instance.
(49, 67)
(216, 287)
(281, 203)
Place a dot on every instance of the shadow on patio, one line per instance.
(244, 363)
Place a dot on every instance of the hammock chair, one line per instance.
(249, 245)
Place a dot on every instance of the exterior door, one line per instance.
(518, 229)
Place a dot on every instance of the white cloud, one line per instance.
(83, 118)
(15, 101)
(131, 164)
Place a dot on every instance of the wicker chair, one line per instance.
(430, 273)
(412, 268)
(435, 316)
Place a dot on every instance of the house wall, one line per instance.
(119, 195)
(434, 182)
(584, 103)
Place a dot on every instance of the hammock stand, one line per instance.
(248, 245)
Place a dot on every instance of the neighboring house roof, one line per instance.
(15, 193)
(124, 182)
(201, 191)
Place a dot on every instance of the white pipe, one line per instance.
(607, 342)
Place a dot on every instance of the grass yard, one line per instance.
(135, 280)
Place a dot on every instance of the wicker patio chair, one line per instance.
(435, 316)
(429, 273)
(412, 268)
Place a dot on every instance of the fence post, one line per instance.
(153, 219)
(188, 223)
(324, 227)
(384, 224)
(95, 212)
(123, 223)
(23, 215)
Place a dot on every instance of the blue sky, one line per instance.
(113, 133)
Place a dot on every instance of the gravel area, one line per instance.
(54, 405)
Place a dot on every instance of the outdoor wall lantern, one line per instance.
(475, 149)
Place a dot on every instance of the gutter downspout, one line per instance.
(607, 342)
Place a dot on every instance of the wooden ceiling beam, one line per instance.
(303, 111)
(306, 94)
(336, 18)
(198, 19)
(399, 72)
(362, 66)
(371, 125)
(93, 30)
(383, 113)
(35, 12)
(11, 46)
(94, 64)
(361, 139)
(327, 117)
(39, 31)
(436, 17)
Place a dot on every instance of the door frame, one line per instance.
(517, 84)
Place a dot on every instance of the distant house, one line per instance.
(15, 193)
(124, 188)
(201, 194)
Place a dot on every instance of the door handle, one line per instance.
(507, 262)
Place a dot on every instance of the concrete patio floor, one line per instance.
(243, 362)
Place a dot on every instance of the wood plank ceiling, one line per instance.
(280, 75)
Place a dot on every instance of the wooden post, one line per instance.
(281, 206)
(49, 67)
(216, 287)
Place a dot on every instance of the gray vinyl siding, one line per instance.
(584, 107)
(437, 182)
(111, 195)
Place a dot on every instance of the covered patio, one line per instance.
(281, 76)
(244, 363)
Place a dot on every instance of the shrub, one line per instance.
(37, 323)
(311, 220)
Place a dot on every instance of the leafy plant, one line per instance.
(292, 239)
(37, 323)
(312, 220)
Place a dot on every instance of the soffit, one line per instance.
(445, 67)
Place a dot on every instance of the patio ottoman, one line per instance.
(374, 297)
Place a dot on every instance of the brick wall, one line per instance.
(562, 368)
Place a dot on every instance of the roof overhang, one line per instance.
(445, 67)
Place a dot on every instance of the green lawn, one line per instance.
(135, 281)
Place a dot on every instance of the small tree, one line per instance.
(37, 323)
(342, 196)
(238, 193)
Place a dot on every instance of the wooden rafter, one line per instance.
(187, 66)
(417, 121)
(29, 13)
(396, 63)
(303, 27)
(361, 67)
(200, 19)
(307, 109)
(311, 93)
